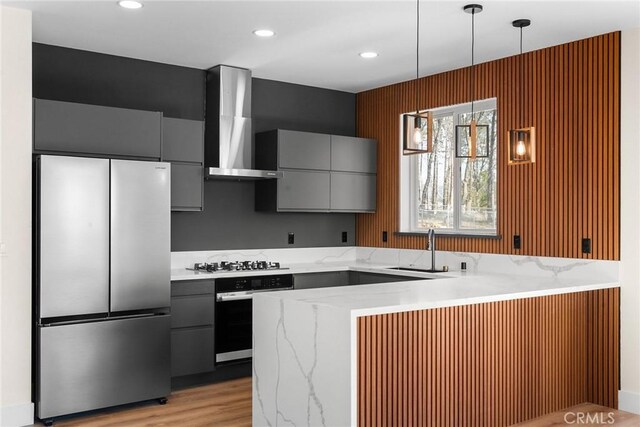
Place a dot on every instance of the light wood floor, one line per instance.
(598, 415)
(229, 404)
(222, 404)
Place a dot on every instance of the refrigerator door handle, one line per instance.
(101, 319)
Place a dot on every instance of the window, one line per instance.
(449, 194)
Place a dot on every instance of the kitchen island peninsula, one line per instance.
(462, 349)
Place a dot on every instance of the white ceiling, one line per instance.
(317, 42)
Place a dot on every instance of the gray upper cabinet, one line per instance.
(322, 173)
(304, 150)
(304, 191)
(182, 140)
(69, 127)
(349, 154)
(187, 182)
(353, 192)
(183, 146)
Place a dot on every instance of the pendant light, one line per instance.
(413, 141)
(522, 141)
(468, 136)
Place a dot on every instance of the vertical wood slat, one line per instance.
(573, 189)
(494, 364)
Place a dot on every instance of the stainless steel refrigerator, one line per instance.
(102, 283)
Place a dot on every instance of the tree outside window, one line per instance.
(452, 194)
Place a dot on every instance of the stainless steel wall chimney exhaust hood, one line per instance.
(228, 132)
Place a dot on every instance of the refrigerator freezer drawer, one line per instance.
(95, 365)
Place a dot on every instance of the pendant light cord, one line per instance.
(521, 82)
(473, 84)
(417, 53)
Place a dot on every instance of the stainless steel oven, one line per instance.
(233, 312)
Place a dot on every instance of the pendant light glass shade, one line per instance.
(522, 146)
(472, 140)
(417, 136)
(522, 141)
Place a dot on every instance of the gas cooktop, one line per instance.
(214, 267)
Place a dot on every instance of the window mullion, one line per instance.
(456, 180)
(415, 190)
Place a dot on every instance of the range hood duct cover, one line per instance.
(228, 131)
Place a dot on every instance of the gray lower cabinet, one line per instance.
(366, 278)
(187, 186)
(321, 280)
(192, 320)
(353, 192)
(69, 127)
(192, 351)
(345, 278)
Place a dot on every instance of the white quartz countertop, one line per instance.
(448, 289)
(436, 290)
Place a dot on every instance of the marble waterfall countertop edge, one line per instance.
(452, 289)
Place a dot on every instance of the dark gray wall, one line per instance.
(93, 78)
(229, 220)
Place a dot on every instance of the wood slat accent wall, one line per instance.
(573, 189)
(491, 364)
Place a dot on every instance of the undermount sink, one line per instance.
(422, 270)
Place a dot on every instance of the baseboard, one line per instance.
(16, 415)
(629, 401)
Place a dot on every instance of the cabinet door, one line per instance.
(304, 191)
(304, 150)
(80, 128)
(195, 310)
(350, 154)
(353, 192)
(191, 351)
(192, 287)
(365, 278)
(182, 140)
(320, 280)
(187, 183)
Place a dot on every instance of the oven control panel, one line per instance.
(254, 283)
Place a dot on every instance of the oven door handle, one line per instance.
(234, 296)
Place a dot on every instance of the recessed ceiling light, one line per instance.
(368, 55)
(264, 33)
(130, 4)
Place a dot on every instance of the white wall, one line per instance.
(15, 217)
(629, 397)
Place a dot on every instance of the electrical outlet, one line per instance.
(586, 245)
(384, 236)
(344, 237)
(516, 241)
(291, 238)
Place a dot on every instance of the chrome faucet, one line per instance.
(431, 246)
